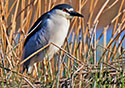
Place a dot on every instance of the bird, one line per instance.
(52, 26)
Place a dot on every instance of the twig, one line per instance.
(3, 61)
(104, 48)
(111, 66)
(70, 55)
(14, 71)
(58, 73)
(75, 73)
(98, 15)
(29, 82)
(34, 53)
(113, 4)
(21, 40)
(21, 11)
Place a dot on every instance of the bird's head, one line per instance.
(65, 10)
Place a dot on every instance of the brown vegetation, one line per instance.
(77, 63)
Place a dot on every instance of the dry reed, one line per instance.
(77, 64)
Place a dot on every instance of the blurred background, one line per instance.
(98, 38)
(110, 11)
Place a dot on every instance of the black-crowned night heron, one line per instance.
(50, 27)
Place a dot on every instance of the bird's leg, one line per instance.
(51, 73)
(46, 71)
(30, 69)
(35, 72)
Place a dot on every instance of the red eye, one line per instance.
(64, 10)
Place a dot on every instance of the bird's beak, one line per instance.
(73, 13)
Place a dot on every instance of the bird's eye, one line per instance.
(64, 10)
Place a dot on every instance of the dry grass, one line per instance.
(77, 63)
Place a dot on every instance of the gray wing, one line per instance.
(36, 40)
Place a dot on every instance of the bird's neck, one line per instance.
(59, 19)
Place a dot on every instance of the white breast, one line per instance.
(58, 27)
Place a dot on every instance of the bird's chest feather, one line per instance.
(58, 32)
